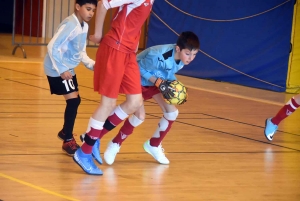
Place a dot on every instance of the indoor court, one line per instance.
(217, 148)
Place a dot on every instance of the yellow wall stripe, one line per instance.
(293, 77)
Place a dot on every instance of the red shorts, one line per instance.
(116, 72)
(149, 91)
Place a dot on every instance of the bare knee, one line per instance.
(104, 109)
(140, 114)
(297, 99)
(109, 105)
(131, 105)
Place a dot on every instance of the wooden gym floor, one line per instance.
(217, 147)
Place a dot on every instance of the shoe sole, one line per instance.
(153, 156)
(60, 138)
(107, 162)
(67, 152)
(84, 170)
(81, 138)
(265, 131)
(97, 160)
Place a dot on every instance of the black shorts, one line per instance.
(59, 86)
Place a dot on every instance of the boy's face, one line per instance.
(85, 12)
(186, 55)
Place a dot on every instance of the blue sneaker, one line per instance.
(96, 149)
(85, 161)
(270, 129)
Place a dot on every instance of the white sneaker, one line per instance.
(156, 152)
(111, 152)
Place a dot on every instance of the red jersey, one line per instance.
(125, 31)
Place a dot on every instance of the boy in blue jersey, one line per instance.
(158, 65)
(66, 50)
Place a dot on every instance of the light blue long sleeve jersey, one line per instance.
(67, 48)
(158, 61)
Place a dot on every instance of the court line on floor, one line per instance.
(196, 88)
(229, 133)
(169, 152)
(36, 187)
(236, 96)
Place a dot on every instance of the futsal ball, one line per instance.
(180, 93)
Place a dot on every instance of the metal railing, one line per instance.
(35, 22)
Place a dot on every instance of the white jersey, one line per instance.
(67, 48)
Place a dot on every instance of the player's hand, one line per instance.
(95, 39)
(66, 75)
(165, 88)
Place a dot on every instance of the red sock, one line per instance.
(113, 121)
(155, 142)
(94, 134)
(285, 111)
(126, 130)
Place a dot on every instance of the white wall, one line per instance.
(53, 13)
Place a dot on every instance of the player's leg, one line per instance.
(131, 87)
(115, 118)
(271, 125)
(153, 146)
(130, 123)
(107, 82)
(69, 89)
(73, 101)
(83, 156)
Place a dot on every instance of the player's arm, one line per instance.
(86, 60)
(102, 7)
(55, 45)
(99, 21)
(148, 61)
(117, 3)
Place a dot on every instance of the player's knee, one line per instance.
(74, 102)
(135, 121)
(140, 115)
(297, 99)
(171, 116)
(134, 105)
(108, 105)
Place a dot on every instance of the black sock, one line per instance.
(70, 116)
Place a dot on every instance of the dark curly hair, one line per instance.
(82, 2)
(188, 40)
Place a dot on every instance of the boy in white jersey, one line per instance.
(158, 65)
(66, 50)
(116, 71)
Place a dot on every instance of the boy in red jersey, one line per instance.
(115, 71)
